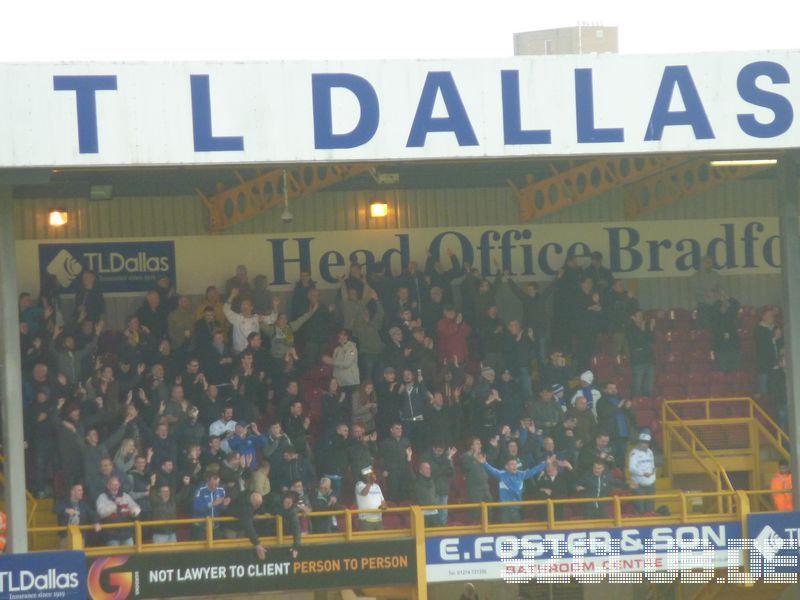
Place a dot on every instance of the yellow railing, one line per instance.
(758, 423)
(673, 425)
(732, 506)
(32, 503)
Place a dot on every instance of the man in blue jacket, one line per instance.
(209, 501)
(512, 481)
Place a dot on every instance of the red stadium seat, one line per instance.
(697, 378)
(678, 335)
(671, 379)
(603, 375)
(682, 316)
(703, 368)
(603, 343)
(690, 411)
(699, 356)
(660, 337)
(697, 391)
(603, 361)
(718, 390)
(682, 349)
(645, 417)
(673, 392)
(716, 377)
(671, 367)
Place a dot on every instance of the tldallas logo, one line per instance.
(108, 584)
(65, 267)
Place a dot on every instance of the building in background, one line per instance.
(582, 39)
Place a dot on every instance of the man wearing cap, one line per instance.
(588, 391)
(642, 467)
(369, 496)
(782, 481)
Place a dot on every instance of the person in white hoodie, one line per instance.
(247, 321)
(588, 391)
(345, 362)
(642, 467)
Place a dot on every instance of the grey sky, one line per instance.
(49, 30)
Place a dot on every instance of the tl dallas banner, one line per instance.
(632, 250)
(181, 574)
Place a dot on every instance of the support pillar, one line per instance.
(11, 376)
(789, 219)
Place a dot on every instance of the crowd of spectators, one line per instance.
(406, 387)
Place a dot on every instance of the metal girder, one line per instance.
(584, 182)
(680, 182)
(254, 196)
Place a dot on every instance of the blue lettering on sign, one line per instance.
(622, 242)
(779, 105)
(121, 267)
(693, 115)
(279, 259)
(566, 544)
(467, 253)
(204, 139)
(45, 575)
(584, 113)
(513, 134)
(85, 88)
(321, 86)
(456, 120)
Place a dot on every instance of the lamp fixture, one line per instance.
(378, 209)
(744, 162)
(58, 217)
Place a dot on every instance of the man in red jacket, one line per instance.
(452, 333)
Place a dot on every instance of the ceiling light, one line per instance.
(378, 209)
(744, 162)
(58, 217)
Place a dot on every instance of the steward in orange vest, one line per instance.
(782, 480)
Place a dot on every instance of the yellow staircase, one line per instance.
(721, 443)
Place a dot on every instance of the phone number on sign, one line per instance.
(695, 565)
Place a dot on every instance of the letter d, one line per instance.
(324, 137)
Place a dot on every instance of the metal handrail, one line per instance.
(721, 474)
(616, 519)
(33, 503)
(778, 438)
